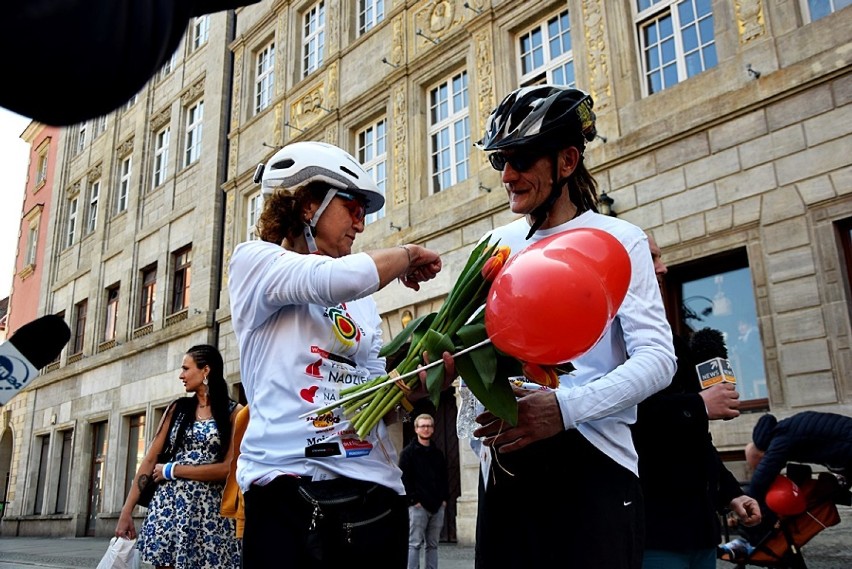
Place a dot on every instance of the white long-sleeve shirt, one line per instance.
(634, 358)
(306, 328)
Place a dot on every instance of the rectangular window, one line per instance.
(111, 314)
(71, 227)
(255, 206)
(717, 292)
(81, 137)
(200, 31)
(131, 101)
(161, 156)
(677, 41)
(265, 77)
(313, 38)
(370, 13)
(135, 449)
(100, 125)
(80, 311)
(97, 475)
(32, 243)
(192, 148)
(64, 471)
(43, 450)
(60, 314)
(373, 154)
(148, 295)
(449, 132)
(94, 195)
(182, 261)
(817, 9)
(168, 66)
(41, 168)
(123, 185)
(545, 52)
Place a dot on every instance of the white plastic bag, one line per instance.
(121, 554)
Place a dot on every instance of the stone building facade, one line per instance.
(725, 132)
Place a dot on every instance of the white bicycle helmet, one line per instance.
(300, 163)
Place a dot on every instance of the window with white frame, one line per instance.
(123, 185)
(313, 38)
(168, 66)
(264, 83)
(100, 126)
(545, 52)
(373, 155)
(677, 41)
(111, 314)
(94, 196)
(161, 157)
(449, 132)
(131, 101)
(816, 9)
(81, 137)
(192, 147)
(370, 13)
(255, 206)
(200, 31)
(32, 243)
(71, 222)
(41, 168)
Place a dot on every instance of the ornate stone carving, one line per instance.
(161, 119)
(398, 41)
(435, 19)
(228, 231)
(94, 172)
(233, 153)
(124, 148)
(331, 86)
(598, 59)
(278, 127)
(750, 21)
(193, 93)
(239, 55)
(74, 190)
(484, 76)
(331, 135)
(400, 171)
(332, 24)
(279, 59)
(308, 108)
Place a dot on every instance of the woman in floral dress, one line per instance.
(183, 528)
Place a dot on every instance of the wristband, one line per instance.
(167, 471)
(407, 252)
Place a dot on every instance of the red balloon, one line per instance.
(604, 253)
(785, 498)
(553, 301)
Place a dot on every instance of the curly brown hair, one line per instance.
(282, 212)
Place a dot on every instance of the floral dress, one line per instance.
(183, 527)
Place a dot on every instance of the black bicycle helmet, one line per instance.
(547, 116)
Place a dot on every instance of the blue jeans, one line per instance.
(424, 527)
(689, 559)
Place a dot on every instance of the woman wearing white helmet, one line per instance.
(307, 327)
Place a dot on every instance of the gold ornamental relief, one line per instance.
(484, 76)
(332, 23)
(400, 172)
(331, 86)
(229, 234)
(398, 41)
(233, 153)
(598, 55)
(330, 135)
(308, 108)
(277, 129)
(434, 20)
(279, 52)
(750, 22)
(237, 90)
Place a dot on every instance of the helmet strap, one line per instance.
(539, 215)
(310, 228)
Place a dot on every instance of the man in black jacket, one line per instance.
(683, 479)
(424, 474)
(810, 437)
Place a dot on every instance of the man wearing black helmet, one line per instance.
(562, 486)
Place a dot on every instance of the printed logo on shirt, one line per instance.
(325, 421)
(313, 369)
(356, 447)
(320, 450)
(344, 327)
(309, 394)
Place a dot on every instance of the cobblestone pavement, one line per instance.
(830, 549)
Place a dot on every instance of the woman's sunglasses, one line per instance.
(519, 161)
(354, 204)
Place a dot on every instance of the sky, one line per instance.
(14, 156)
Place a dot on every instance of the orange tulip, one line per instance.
(494, 263)
(542, 375)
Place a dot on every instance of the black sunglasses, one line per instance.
(519, 161)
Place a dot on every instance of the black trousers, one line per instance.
(565, 504)
(283, 530)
